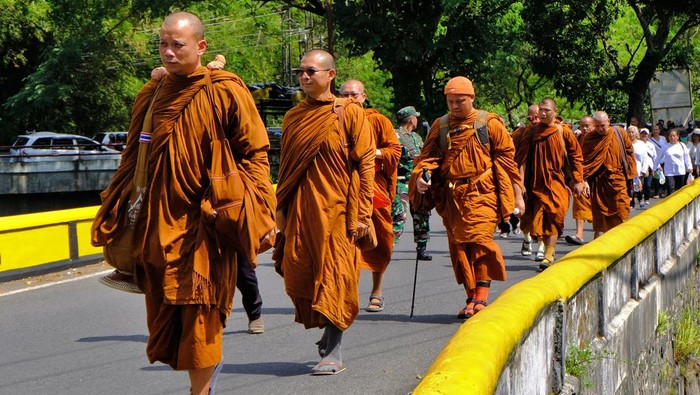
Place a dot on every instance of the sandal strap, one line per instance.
(481, 302)
(376, 297)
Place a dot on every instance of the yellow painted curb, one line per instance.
(31, 240)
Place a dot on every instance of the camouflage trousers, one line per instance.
(399, 211)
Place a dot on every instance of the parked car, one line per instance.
(114, 140)
(46, 145)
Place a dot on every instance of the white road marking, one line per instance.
(55, 283)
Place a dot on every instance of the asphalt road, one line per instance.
(72, 335)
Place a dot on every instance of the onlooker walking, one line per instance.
(675, 162)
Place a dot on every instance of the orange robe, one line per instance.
(541, 154)
(320, 261)
(603, 168)
(472, 190)
(581, 208)
(385, 174)
(179, 265)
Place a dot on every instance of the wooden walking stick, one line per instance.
(426, 178)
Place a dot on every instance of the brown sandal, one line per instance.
(468, 310)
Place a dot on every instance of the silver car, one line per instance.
(42, 146)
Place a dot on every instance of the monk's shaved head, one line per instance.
(601, 116)
(182, 19)
(322, 56)
(354, 89)
(532, 110)
(586, 119)
(601, 122)
(353, 85)
(549, 102)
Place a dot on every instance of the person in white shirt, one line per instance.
(675, 160)
(651, 151)
(659, 143)
(644, 163)
(693, 145)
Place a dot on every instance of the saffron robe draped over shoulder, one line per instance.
(542, 155)
(385, 175)
(581, 208)
(320, 261)
(177, 257)
(604, 170)
(471, 189)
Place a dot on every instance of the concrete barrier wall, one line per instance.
(51, 175)
(606, 295)
(50, 240)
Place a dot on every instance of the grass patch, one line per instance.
(687, 339)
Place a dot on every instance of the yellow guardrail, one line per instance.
(42, 238)
(473, 359)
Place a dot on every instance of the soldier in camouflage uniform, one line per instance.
(411, 144)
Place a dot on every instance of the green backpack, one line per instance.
(482, 131)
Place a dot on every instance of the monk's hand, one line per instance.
(268, 237)
(421, 185)
(281, 220)
(582, 189)
(158, 73)
(519, 206)
(362, 230)
(218, 63)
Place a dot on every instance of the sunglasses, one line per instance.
(310, 71)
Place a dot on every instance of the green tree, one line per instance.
(604, 53)
(84, 80)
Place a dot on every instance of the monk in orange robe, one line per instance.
(532, 118)
(474, 184)
(327, 150)
(581, 209)
(386, 164)
(542, 156)
(608, 166)
(187, 276)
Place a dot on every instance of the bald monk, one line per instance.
(474, 184)
(533, 119)
(386, 162)
(187, 276)
(581, 210)
(323, 208)
(608, 166)
(541, 156)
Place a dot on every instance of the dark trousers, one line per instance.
(646, 186)
(247, 284)
(507, 226)
(675, 183)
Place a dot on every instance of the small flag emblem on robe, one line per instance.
(145, 137)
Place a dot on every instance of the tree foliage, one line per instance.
(578, 47)
(75, 65)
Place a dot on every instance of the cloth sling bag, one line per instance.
(240, 215)
(623, 154)
(118, 253)
(369, 241)
(569, 179)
